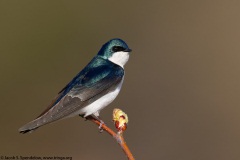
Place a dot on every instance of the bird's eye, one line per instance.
(118, 48)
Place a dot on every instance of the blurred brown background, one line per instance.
(181, 88)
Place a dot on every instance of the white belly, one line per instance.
(100, 103)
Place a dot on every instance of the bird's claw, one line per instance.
(100, 126)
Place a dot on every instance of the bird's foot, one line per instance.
(97, 117)
(100, 126)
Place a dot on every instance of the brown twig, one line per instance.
(117, 136)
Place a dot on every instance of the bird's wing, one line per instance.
(75, 81)
(97, 76)
(83, 89)
(96, 81)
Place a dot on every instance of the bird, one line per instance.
(91, 90)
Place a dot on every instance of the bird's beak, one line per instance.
(128, 50)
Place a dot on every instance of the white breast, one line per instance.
(100, 103)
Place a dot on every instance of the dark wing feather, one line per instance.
(90, 84)
(76, 80)
(97, 80)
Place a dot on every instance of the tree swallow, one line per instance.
(91, 90)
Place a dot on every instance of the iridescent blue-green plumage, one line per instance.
(97, 68)
(106, 50)
(100, 77)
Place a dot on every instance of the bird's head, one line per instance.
(116, 51)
